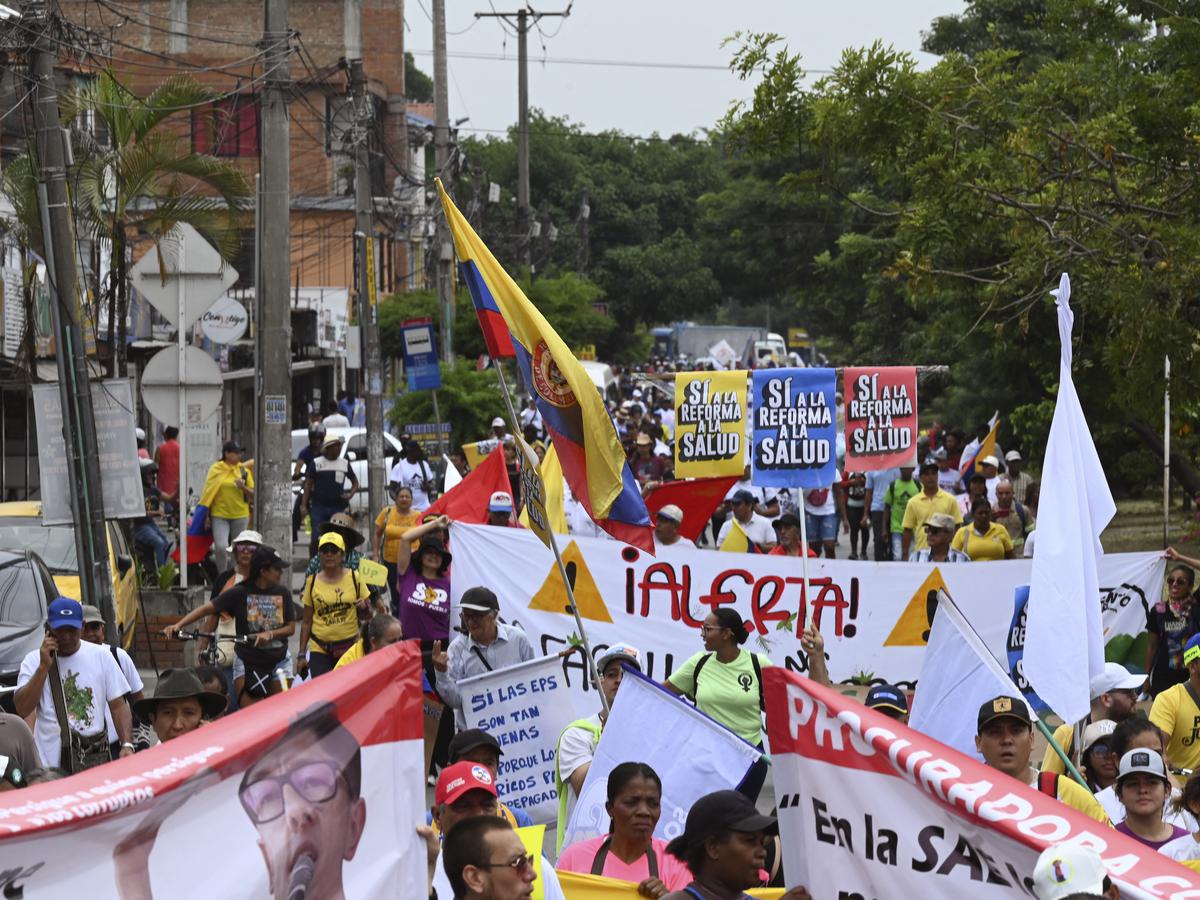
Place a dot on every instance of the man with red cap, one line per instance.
(466, 790)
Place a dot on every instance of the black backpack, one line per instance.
(762, 705)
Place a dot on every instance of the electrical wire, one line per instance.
(603, 63)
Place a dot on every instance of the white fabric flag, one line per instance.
(452, 477)
(647, 724)
(1064, 646)
(958, 675)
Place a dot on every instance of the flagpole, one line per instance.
(1166, 449)
(514, 421)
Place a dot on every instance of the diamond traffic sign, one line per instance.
(193, 270)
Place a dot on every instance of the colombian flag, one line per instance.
(737, 541)
(968, 467)
(588, 447)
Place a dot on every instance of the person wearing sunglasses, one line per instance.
(303, 796)
(486, 860)
(1098, 764)
(1169, 625)
(1114, 695)
(467, 790)
(332, 599)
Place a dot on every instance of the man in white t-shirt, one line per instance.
(413, 472)
(92, 686)
(824, 508)
(757, 528)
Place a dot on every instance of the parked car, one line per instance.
(21, 528)
(26, 590)
(354, 448)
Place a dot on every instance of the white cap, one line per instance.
(672, 512)
(990, 461)
(245, 537)
(497, 422)
(1142, 760)
(1066, 870)
(626, 652)
(1013, 454)
(501, 501)
(1097, 731)
(1115, 677)
(139, 433)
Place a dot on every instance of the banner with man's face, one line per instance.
(312, 793)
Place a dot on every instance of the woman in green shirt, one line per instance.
(725, 682)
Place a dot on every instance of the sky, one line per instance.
(643, 100)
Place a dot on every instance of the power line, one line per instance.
(602, 63)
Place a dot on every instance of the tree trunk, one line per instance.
(1186, 474)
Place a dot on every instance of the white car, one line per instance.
(354, 448)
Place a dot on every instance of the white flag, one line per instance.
(1064, 647)
(452, 477)
(958, 675)
(651, 726)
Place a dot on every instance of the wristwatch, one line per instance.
(129, 745)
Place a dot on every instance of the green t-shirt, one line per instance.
(897, 496)
(728, 692)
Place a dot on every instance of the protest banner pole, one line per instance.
(514, 421)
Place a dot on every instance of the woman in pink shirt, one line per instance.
(630, 852)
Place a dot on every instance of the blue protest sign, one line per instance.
(1015, 645)
(795, 428)
(420, 355)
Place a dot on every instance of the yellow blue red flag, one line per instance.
(589, 450)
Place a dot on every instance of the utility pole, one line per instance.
(273, 466)
(74, 381)
(526, 18)
(444, 275)
(368, 311)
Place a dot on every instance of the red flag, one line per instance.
(698, 498)
(468, 500)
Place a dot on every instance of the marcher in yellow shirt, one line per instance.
(332, 599)
(382, 631)
(228, 489)
(1004, 737)
(390, 524)
(1176, 712)
(932, 499)
(982, 539)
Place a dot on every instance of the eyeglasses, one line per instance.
(707, 628)
(519, 864)
(316, 782)
(329, 548)
(1100, 749)
(245, 548)
(1182, 581)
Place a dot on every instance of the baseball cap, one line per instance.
(887, 697)
(331, 440)
(1097, 731)
(91, 614)
(939, 453)
(717, 812)
(1013, 454)
(246, 536)
(942, 520)
(1003, 708)
(64, 613)
(139, 433)
(479, 599)
(742, 496)
(1068, 870)
(644, 440)
(232, 447)
(990, 461)
(498, 422)
(460, 777)
(501, 501)
(785, 520)
(1115, 677)
(332, 537)
(466, 741)
(1191, 650)
(672, 512)
(626, 652)
(1142, 760)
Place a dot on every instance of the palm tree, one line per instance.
(145, 180)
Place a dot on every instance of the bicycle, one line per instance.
(210, 655)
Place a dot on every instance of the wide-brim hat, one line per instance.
(348, 533)
(430, 544)
(175, 684)
(246, 536)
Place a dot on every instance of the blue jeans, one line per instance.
(149, 535)
(822, 529)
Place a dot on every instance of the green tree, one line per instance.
(144, 180)
(418, 87)
(467, 399)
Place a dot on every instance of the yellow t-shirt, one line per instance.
(921, 507)
(996, 544)
(335, 616)
(1064, 735)
(1073, 795)
(354, 654)
(230, 502)
(1179, 718)
(397, 524)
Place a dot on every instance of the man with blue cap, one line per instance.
(69, 682)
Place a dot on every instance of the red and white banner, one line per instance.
(870, 808)
(881, 417)
(331, 772)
